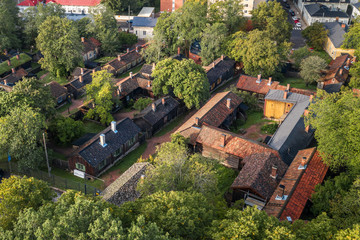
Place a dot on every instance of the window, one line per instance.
(245, 11)
(131, 141)
(144, 33)
(118, 152)
(246, 5)
(102, 164)
(80, 166)
(135, 32)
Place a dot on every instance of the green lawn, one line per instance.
(63, 107)
(104, 60)
(324, 55)
(226, 177)
(42, 72)
(297, 83)
(67, 175)
(50, 78)
(133, 70)
(253, 117)
(129, 159)
(170, 126)
(14, 63)
(35, 65)
(58, 155)
(92, 127)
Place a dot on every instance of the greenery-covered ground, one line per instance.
(63, 107)
(67, 175)
(170, 126)
(50, 78)
(324, 55)
(14, 63)
(92, 127)
(133, 70)
(104, 60)
(253, 117)
(297, 83)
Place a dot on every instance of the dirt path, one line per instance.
(254, 132)
(75, 103)
(121, 115)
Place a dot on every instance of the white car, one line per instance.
(284, 1)
(298, 24)
(294, 18)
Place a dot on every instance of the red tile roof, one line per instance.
(29, 3)
(90, 44)
(248, 83)
(76, 2)
(332, 72)
(299, 185)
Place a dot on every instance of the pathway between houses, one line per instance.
(75, 103)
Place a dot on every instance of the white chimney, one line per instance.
(274, 172)
(153, 66)
(82, 71)
(113, 127)
(102, 140)
(258, 80)
(119, 58)
(131, 75)
(228, 103)
(153, 106)
(270, 80)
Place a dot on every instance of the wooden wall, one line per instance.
(275, 109)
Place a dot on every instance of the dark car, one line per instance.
(287, 5)
(292, 13)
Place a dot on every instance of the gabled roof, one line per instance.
(318, 10)
(299, 185)
(13, 78)
(356, 5)
(278, 95)
(146, 69)
(335, 32)
(56, 89)
(333, 88)
(219, 67)
(93, 153)
(125, 59)
(90, 44)
(29, 3)
(256, 174)
(144, 22)
(5, 88)
(127, 86)
(334, 69)
(161, 110)
(146, 12)
(76, 2)
(215, 111)
(250, 84)
(86, 79)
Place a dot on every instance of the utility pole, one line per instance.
(46, 155)
(129, 18)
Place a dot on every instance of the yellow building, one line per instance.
(335, 39)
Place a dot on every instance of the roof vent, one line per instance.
(282, 197)
(102, 140)
(113, 126)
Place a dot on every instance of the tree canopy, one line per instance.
(10, 28)
(66, 130)
(352, 37)
(315, 35)
(310, 69)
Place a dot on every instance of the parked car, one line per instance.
(287, 5)
(296, 21)
(294, 18)
(298, 24)
(292, 13)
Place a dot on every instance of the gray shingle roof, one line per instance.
(335, 32)
(278, 95)
(144, 22)
(94, 153)
(357, 5)
(146, 69)
(220, 68)
(317, 10)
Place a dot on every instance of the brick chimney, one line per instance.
(128, 50)
(274, 172)
(179, 51)
(137, 49)
(153, 106)
(9, 62)
(341, 71)
(306, 112)
(80, 78)
(270, 80)
(285, 94)
(93, 71)
(5, 82)
(153, 66)
(222, 140)
(337, 19)
(118, 92)
(149, 84)
(212, 65)
(307, 128)
(197, 121)
(354, 59)
(302, 163)
(228, 103)
(17, 56)
(222, 57)
(163, 101)
(311, 98)
(258, 80)
(288, 87)
(343, 25)
(13, 70)
(82, 39)
(82, 71)
(119, 58)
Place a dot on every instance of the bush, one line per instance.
(142, 103)
(269, 128)
(66, 130)
(249, 99)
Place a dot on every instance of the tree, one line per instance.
(248, 98)
(100, 91)
(32, 92)
(335, 119)
(10, 28)
(60, 44)
(66, 130)
(127, 39)
(310, 69)
(121, 7)
(186, 79)
(19, 193)
(35, 16)
(142, 103)
(212, 42)
(20, 136)
(83, 26)
(355, 75)
(156, 50)
(315, 35)
(272, 18)
(249, 224)
(349, 233)
(352, 37)
(304, 52)
(258, 52)
(229, 12)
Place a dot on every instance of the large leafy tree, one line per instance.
(355, 75)
(19, 193)
(259, 53)
(29, 91)
(272, 18)
(122, 6)
(84, 27)
(335, 119)
(60, 44)
(10, 28)
(65, 130)
(310, 69)
(35, 16)
(315, 35)
(352, 37)
(100, 91)
(349, 233)
(20, 136)
(185, 79)
(212, 42)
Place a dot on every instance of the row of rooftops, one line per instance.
(32, 3)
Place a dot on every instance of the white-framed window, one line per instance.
(144, 33)
(118, 152)
(131, 141)
(80, 166)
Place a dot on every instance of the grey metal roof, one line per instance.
(357, 5)
(335, 32)
(333, 88)
(94, 153)
(144, 22)
(278, 95)
(317, 10)
(146, 12)
(147, 69)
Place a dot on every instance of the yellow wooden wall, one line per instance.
(275, 109)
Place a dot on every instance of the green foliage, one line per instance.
(66, 130)
(30, 91)
(352, 37)
(10, 28)
(311, 68)
(83, 26)
(19, 193)
(335, 119)
(304, 52)
(181, 214)
(100, 91)
(355, 75)
(142, 103)
(249, 224)
(127, 39)
(179, 139)
(4, 67)
(35, 16)
(249, 99)
(185, 78)
(212, 42)
(21, 134)
(121, 7)
(349, 233)
(269, 128)
(315, 35)
(60, 44)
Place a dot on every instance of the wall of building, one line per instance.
(226, 159)
(275, 109)
(341, 6)
(336, 52)
(144, 32)
(310, 20)
(170, 5)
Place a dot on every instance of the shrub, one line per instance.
(142, 103)
(66, 130)
(269, 128)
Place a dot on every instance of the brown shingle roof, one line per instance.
(126, 58)
(248, 83)
(12, 78)
(91, 44)
(127, 86)
(56, 89)
(333, 69)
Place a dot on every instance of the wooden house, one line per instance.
(59, 92)
(13, 77)
(219, 71)
(77, 86)
(91, 48)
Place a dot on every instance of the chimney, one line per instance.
(153, 106)
(82, 39)
(93, 71)
(119, 57)
(118, 92)
(222, 140)
(270, 80)
(131, 75)
(82, 71)
(311, 98)
(197, 121)
(228, 103)
(5, 82)
(178, 50)
(343, 26)
(348, 62)
(285, 94)
(341, 71)
(137, 49)
(153, 66)
(307, 128)
(13, 70)
(102, 140)
(306, 112)
(288, 87)
(258, 80)
(274, 172)
(17, 56)
(302, 163)
(113, 127)
(80, 78)
(9, 62)
(213, 65)
(222, 57)
(354, 59)
(163, 101)
(127, 50)
(337, 19)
